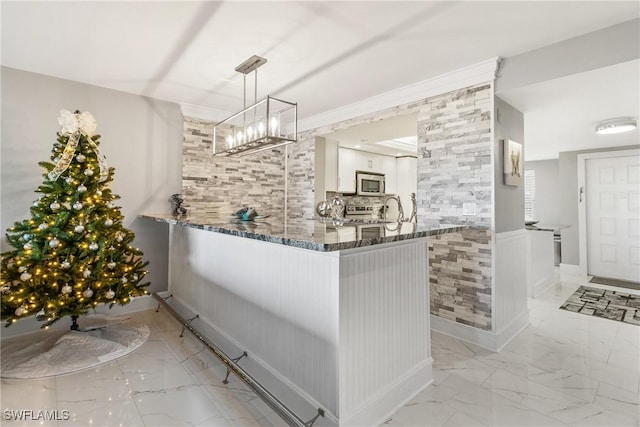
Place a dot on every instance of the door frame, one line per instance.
(582, 207)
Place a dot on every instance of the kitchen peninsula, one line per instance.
(340, 323)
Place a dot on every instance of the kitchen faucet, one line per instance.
(400, 211)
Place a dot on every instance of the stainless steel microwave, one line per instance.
(369, 184)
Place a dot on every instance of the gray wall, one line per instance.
(547, 203)
(568, 186)
(141, 138)
(509, 200)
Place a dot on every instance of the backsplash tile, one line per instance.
(221, 185)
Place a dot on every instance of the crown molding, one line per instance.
(202, 112)
(481, 72)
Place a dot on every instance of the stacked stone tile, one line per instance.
(454, 167)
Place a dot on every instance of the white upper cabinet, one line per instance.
(350, 161)
(369, 162)
(389, 170)
(347, 166)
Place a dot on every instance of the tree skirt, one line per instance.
(57, 352)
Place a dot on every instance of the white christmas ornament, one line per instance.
(81, 188)
(36, 203)
(40, 313)
(93, 246)
(4, 289)
(134, 277)
(110, 205)
(65, 264)
(81, 158)
(26, 236)
(43, 226)
(77, 206)
(88, 293)
(124, 280)
(27, 246)
(111, 265)
(25, 276)
(108, 223)
(54, 206)
(99, 192)
(22, 269)
(54, 243)
(56, 160)
(86, 273)
(79, 228)
(88, 172)
(110, 294)
(68, 180)
(66, 289)
(20, 311)
(119, 238)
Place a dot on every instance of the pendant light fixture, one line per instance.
(618, 125)
(266, 124)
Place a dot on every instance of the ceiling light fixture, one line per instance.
(618, 125)
(266, 124)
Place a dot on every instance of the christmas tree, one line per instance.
(73, 253)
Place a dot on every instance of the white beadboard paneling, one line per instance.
(510, 285)
(540, 270)
(347, 331)
(384, 304)
(287, 317)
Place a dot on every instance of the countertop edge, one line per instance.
(298, 242)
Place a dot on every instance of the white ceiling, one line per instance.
(561, 114)
(320, 54)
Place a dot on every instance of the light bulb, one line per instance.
(239, 137)
(274, 125)
(230, 141)
(249, 133)
(261, 128)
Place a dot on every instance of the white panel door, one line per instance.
(613, 216)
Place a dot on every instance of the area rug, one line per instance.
(57, 352)
(611, 305)
(615, 282)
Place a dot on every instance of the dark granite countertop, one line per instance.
(546, 227)
(310, 234)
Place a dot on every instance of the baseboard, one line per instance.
(378, 409)
(571, 273)
(30, 325)
(485, 339)
(293, 396)
(543, 284)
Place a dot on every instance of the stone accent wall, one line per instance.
(460, 277)
(301, 177)
(454, 167)
(454, 157)
(221, 185)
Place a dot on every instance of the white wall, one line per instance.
(141, 138)
(509, 200)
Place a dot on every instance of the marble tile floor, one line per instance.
(565, 369)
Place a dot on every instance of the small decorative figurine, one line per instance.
(176, 201)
